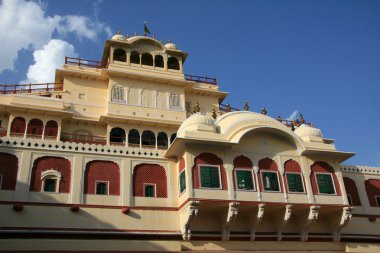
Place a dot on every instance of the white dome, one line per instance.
(171, 46)
(118, 37)
(305, 130)
(193, 121)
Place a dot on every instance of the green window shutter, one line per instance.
(274, 182)
(209, 177)
(49, 185)
(325, 183)
(149, 191)
(378, 201)
(101, 188)
(182, 182)
(205, 176)
(294, 182)
(215, 177)
(244, 180)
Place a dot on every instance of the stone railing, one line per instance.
(39, 144)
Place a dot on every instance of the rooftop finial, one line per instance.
(214, 113)
(246, 106)
(154, 36)
(135, 34)
(196, 108)
(279, 118)
(263, 111)
(169, 41)
(302, 119)
(118, 32)
(127, 36)
(228, 108)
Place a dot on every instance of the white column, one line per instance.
(257, 174)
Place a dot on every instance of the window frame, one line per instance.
(179, 108)
(51, 174)
(349, 199)
(55, 184)
(179, 182)
(278, 181)
(199, 177)
(107, 187)
(302, 179)
(253, 180)
(118, 101)
(332, 179)
(377, 202)
(154, 187)
(1, 180)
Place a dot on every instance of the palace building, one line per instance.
(128, 153)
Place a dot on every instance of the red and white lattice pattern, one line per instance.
(149, 174)
(102, 171)
(8, 170)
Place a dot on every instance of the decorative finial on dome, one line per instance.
(127, 36)
(196, 108)
(246, 106)
(214, 113)
(169, 41)
(161, 41)
(228, 108)
(154, 36)
(118, 32)
(279, 118)
(302, 119)
(135, 34)
(293, 128)
(297, 122)
(311, 124)
(263, 111)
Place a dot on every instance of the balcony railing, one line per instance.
(201, 79)
(80, 62)
(30, 88)
(82, 138)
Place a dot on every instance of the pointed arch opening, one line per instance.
(147, 59)
(133, 138)
(119, 55)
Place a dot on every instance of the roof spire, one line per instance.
(246, 106)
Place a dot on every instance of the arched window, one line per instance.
(51, 180)
(18, 127)
(147, 98)
(162, 100)
(102, 178)
(323, 179)
(372, 187)
(162, 140)
(293, 177)
(119, 55)
(270, 178)
(148, 139)
(172, 138)
(117, 94)
(51, 169)
(133, 96)
(147, 59)
(51, 130)
(8, 171)
(117, 136)
(244, 179)
(352, 192)
(173, 63)
(159, 61)
(149, 180)
(134, 138)
(135, 57)
(35, 128)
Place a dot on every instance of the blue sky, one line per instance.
(321, 58)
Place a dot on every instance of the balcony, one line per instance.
(201, 79)
(80, 62)
(31, 88)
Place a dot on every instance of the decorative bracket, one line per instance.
(231, 217)
(284, 221)
(192, 211)
(311, 218)
(258, 218)
(344, 220)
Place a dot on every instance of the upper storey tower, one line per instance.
(144, 55)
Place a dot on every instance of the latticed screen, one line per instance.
(117, 93)
(209, 177)
(175, 101)
(325, 184)
(270, 181)
(244, 180)
(294, 182)
(182, 182)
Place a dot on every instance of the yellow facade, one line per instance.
(139, 86)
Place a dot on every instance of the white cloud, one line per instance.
(47, 59)
(24, 25)
(293, 116)
(83, 27)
